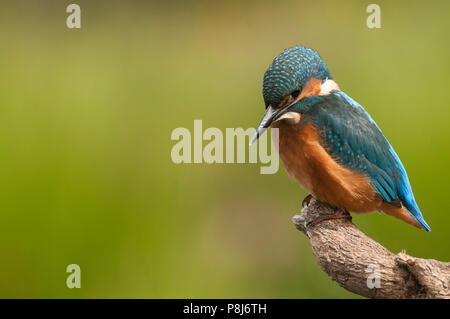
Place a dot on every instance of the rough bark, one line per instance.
(354, 260)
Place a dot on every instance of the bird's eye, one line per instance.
(289, 98)
(295, 94)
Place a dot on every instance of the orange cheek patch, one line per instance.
(283, 102)
(313, 87)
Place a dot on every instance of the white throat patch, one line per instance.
(291, 117)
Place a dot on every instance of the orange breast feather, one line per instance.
(307, 162)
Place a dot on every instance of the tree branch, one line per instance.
(355, 261)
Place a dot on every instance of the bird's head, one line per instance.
(298, 72)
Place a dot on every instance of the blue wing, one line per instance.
(353, 138)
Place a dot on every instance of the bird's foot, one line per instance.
(341, 213)
(307, 200)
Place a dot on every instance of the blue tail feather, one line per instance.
(417, 214)
(406, 194)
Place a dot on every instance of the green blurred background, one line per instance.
(86, 116)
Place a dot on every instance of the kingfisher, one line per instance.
(330, 144)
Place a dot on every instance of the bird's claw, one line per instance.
(340, 214)
(307, 200)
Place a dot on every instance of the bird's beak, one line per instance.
(269, 116)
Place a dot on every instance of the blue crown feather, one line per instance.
(291, 70)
